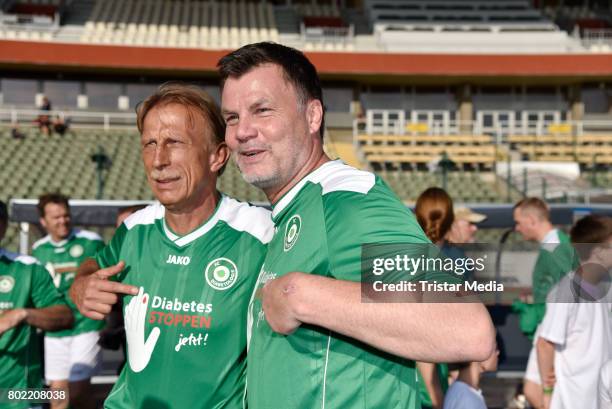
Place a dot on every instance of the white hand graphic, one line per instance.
(139, 351)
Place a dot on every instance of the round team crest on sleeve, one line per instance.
(292, 231)
(6, 284)
(221, 273)
(76, 251)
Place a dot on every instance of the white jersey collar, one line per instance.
(63, 242)
(182, 241)
(552, 237)
(315, 176)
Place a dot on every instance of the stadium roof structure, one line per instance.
(380, 67)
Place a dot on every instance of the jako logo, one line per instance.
(182, 260)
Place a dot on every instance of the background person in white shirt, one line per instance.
(575, 337)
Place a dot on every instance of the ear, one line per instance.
(314, 115)
(42, 223)
(219, 157)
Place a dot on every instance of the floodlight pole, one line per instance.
(102, 162)
(445, 164)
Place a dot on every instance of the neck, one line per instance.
(57, 239)
(183, 221)
(544, 230)
(471, 375)
(314, 161)
(591, 271)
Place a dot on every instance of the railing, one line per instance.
(29, 22)
(334, 35)
(499, 124)
(78, 119)
(597, 37)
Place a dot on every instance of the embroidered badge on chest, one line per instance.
(292, 231)
(6, 284)
(221, 273)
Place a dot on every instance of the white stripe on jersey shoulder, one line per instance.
(86, 234)
(244, 217)
(20, 258)
(63, 242)
(42, 241)
(148, 215)
(333, 176)
(339, 177)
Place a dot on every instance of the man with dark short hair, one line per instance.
(28, 300)
(187, 265)
(72, 356)
(313, 343)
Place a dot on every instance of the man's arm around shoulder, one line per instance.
(431, 332)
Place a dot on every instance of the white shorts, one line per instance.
(532, 373)
(73, 358)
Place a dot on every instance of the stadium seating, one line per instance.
(183, 23)
(40, 164)
(457, 11)
(462, 186)
(585, 149)
(395, 151)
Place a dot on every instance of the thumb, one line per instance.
(112, 270)
(151, 341)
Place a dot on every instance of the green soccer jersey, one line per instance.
(186, 330)
(24, 283)
(555, 259)
(62, 260)
(320, 225)
(442, 375)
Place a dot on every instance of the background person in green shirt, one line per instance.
(556, 258)
(73, 355)
(28, 300)
(312, 341)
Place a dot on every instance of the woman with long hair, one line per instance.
(434, 212)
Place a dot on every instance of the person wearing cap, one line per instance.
(463, 229)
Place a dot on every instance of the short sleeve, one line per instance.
(354, 219)
(109, 255)
(554, 325)
(43, 291)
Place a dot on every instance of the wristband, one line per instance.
(548, 390)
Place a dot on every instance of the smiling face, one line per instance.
(180, 159)
(271, 132)
(56, 221)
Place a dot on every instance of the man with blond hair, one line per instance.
(187, 265)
